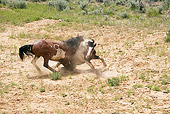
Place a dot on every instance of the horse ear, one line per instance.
(95, 44)
(93, 40)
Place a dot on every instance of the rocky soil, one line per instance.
(139, 57)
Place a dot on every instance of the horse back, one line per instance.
(43, 48)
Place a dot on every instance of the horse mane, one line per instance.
(74, 42)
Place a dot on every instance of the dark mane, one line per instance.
(74, 43)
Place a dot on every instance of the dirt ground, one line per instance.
(128, 53)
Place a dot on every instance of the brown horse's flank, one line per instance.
(47, 50)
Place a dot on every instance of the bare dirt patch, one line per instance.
(128, 52)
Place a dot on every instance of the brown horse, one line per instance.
(70, 53)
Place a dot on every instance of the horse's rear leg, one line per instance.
(47, 66)
(34, 63)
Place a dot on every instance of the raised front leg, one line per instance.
(104, 63)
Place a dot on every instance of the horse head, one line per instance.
(90, 48)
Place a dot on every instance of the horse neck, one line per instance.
(82, 47)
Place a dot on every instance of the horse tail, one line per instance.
(27, 49)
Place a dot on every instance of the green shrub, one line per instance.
(137, 86)
(156, 88)
(64, 95)
(14, 3)
(99, 0)
(19, 4)
(106, 18)
(113, 82)
(164, 82)
(123, 15)
(42, 89)
(55, 76)
(67, 103)
(160, 9)
(36, 0)
(152, 12)
(142, 76)
(141, 7)
(120, 2)
(59, 5)
(2, 28)
(133, 5)
(149, 86)
(166, 4)
(95, 12)
(167, 38)
(164, 79)
(4, 2)
(108, 12)
(83, 4)
(83, 12)
(90, 89)
(33, 0)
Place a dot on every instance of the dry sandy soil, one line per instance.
(130, 54)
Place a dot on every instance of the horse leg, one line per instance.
(91, 65)
(47, 66)
(58, 64)
(104, 63)
(34, 63)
